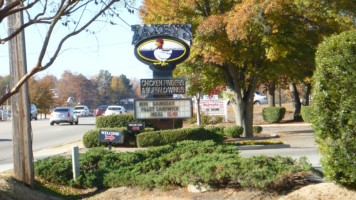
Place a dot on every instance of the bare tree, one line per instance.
(74, 15)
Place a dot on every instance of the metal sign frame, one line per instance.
(163, 109)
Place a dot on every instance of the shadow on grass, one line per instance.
(66, 192)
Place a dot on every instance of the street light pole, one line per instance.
(21, 125)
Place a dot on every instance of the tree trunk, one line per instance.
(241, 90)
(306, 94)
(243, 112)
(279, 97)
(271, 95)
(296, 102)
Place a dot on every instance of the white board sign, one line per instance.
(163, 109)
(213, 106)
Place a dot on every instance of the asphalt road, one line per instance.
(44, 136)
(299, 136)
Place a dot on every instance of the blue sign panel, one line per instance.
(111, 136)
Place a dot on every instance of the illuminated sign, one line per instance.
(162, 86)
(162, 46)
(163, 109)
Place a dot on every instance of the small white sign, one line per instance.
(213, 106)
(163, 109)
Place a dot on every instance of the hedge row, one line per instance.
(179, 164)
(164, 137)
(114, 121)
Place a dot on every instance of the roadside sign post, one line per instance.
(75, 161)
(162, 47)
(111, 137)
(136, 128)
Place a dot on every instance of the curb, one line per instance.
(284, 125)
(268, 146)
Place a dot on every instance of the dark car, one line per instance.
(33, 109)
(100, 110)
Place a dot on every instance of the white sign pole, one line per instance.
(75, 161)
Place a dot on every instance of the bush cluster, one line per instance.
(216, 129)
(233, 131)
(91, 138)
(205, 119)
(163, 137)
(257, 129)
(179, 164)
(273, 114)
(333, 107)
(306, 113)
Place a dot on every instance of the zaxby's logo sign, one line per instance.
(162, 47)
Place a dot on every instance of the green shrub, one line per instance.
(257, 129)
(163, 137)
(273, 114)
(94, 164)
(216, 119)
(306, 113)
(333, 107)
(179, 164)
(233, 131)
(114, 121)
(216, 129)
(56, 169)
(205, 119)
(91, 138)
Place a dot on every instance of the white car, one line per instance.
(81, 111)
(112, 110)
(259, 99)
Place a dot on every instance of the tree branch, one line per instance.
(64, 8)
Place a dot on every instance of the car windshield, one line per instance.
(102, 107)
(79, 108)
(114, 108)
(61, 110)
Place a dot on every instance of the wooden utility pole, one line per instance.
(20, 104)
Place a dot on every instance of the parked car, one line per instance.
(63, 115)
(81, 111)
(33, 109)
(259, 99)
(112, 110)
(100, 110)
(5, 114)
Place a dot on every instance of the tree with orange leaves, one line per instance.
(246, 40)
